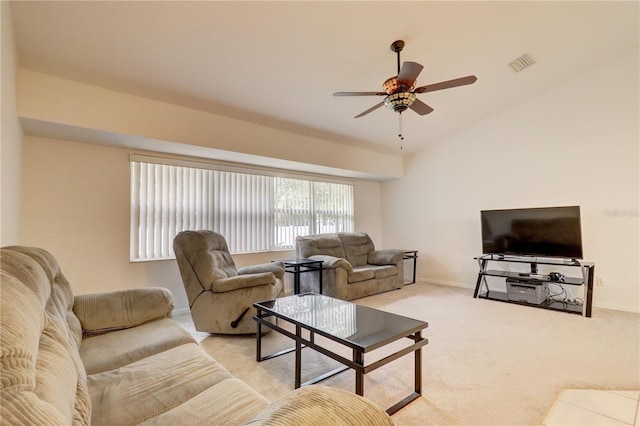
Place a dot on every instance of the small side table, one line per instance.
(298, 266)
(411, 254)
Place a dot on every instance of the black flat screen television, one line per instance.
(543, 232)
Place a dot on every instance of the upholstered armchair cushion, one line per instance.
(319, 244)
(385, 257)
(276, 268)
(330, 262)
(102, 312)
(357, 247)
(205, 255)
(243, 281)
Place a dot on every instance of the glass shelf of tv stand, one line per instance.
(586, 279)
(501, 296)
(544, 278)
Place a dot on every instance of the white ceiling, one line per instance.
(278, 63)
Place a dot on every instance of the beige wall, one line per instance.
(574, 144)
(55, 105)
(76, 205)
(10, 137)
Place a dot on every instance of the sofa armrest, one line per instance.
(323, 404)
(385, 257)
(243, 281)
(331, 262)
(276, 268)
(116, 310)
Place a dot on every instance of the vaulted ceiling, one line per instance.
(278, 63)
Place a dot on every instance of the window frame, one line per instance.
(136, 254)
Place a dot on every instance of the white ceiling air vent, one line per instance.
(524, 61)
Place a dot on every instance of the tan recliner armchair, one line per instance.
(221, 297)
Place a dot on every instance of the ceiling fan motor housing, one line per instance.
(393, 85)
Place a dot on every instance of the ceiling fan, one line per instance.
(400, 90)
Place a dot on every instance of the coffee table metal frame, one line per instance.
(356, 363)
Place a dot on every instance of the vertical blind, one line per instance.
(254, 212)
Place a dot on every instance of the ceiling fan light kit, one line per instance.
(399, 102)
(400, 90)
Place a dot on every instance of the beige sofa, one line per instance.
(352, 267)
(117, 358)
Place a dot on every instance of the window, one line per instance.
(255, 209)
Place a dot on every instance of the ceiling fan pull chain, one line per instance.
(400, 129)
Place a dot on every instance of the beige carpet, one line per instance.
(487, 363)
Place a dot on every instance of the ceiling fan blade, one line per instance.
(462, 81)
(359, 94)
(409, 72)
(420, 107)
(373, 108)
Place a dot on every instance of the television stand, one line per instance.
(529, 282)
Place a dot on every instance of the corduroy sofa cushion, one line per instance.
(43, 379)
(116, 349)
(116, 310)
(319, 405)
(141, 391)
(228, 402)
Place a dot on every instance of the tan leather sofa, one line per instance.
(352, 267)
(117, 358)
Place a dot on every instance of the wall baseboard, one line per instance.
(445, 283)
(614, 307)
(180, 311)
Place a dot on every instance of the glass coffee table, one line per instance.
(360, 328)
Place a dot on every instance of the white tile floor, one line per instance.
(595, 407)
